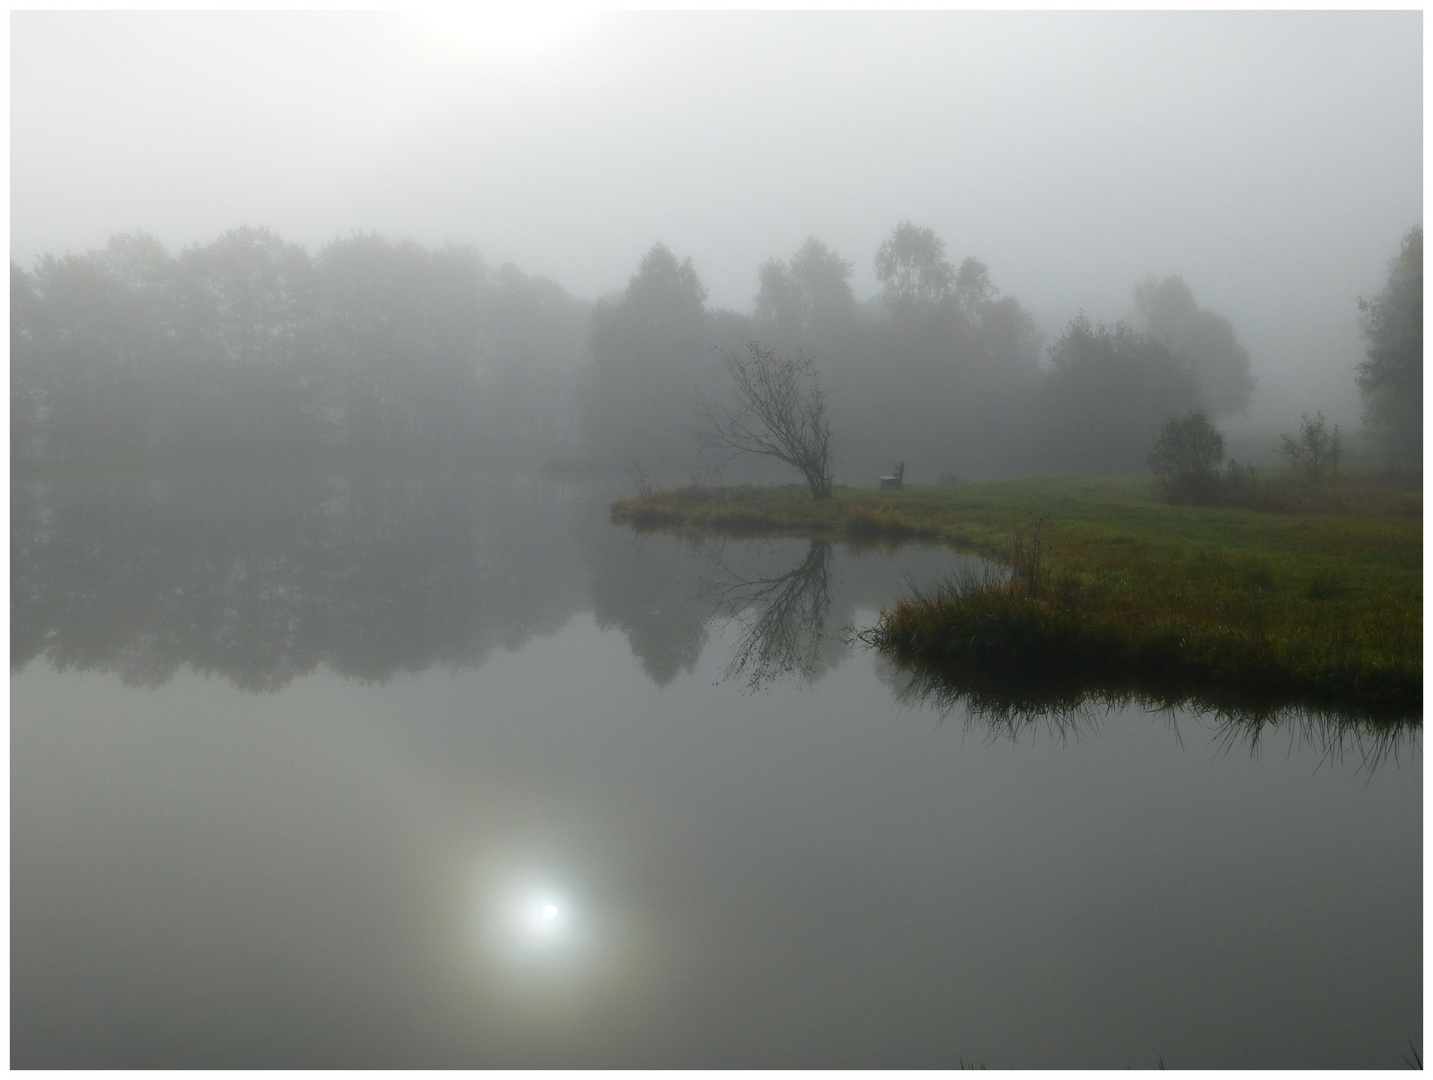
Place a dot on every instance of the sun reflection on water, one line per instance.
(549, 937)
(526, 922)
(548, 916)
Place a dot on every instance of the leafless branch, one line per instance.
(780, 413)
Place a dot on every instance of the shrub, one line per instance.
(1185, 458)
(1315, 454)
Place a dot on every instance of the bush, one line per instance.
(1185, 458)
(1315, 454)
(1100, 401)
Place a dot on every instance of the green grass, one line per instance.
(1321, 606)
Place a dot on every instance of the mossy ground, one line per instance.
(1324, 605)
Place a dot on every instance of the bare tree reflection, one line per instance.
(783, 620)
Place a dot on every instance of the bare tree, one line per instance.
(780, 413)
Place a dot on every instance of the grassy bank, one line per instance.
(1121, 590)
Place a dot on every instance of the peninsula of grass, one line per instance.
(1322, 606)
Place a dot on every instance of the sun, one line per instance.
(547, 916)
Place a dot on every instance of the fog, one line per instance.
(1272, 161)
(354, 724)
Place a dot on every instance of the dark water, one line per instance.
(428, 769)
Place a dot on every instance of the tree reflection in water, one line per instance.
(263, 578)
(783, 619)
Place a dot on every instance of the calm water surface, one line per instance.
(423, 769)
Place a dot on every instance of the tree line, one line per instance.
(250, 348)
(939, 369)
(1187, 457)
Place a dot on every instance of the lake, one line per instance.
(433, 768)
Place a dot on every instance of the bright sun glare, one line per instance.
(505, 28)
(546, 916)
(529, 918)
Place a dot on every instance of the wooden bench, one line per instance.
(895, 482)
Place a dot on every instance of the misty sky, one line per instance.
(1273, 160)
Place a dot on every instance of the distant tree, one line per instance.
(811, 292)
(243, 290)
(403, 337)
(1008, 338)
(935, 370)
(778, 298)
(1314, 455)
(912, 267)
(1168, 313)
(27, 384)
(244, 317)
(973, 288)
(780, 413)
(1391, 378)
(651, 347)
(1101, 400)
(536, 345)
(93, 334)
(246, 348)
(664, 292)
(1185, 458)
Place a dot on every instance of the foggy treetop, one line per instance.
(1272, 161)
(249, 348)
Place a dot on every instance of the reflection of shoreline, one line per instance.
(791, 600)
(262, 577)
(1073, 711)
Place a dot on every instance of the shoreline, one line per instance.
(1106, 583)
